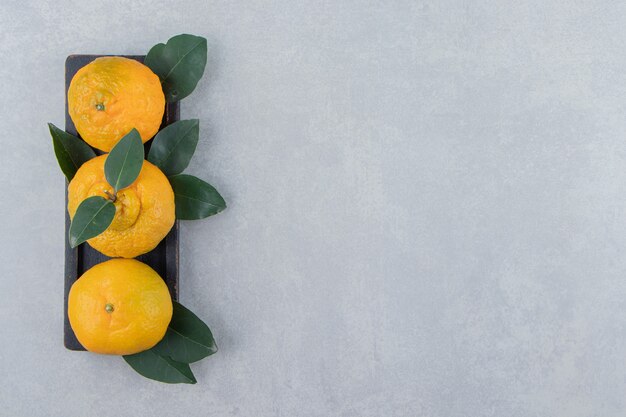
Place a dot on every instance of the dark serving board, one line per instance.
(163, 259)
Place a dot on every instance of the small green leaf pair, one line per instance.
(187, 340)
(171, 151)
(121, 168)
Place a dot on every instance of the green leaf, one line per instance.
(92, 217)
(187, 338)
(123, 164)
(160, 368)
(173, 147)
(71, 152)
(179, 64)
(194, 198)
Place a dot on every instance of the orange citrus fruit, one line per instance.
(145, 210)
(119, 307)
(110, 96)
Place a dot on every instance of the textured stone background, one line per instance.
(427, 211)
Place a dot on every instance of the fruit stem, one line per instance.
(111, 197)
(109, 307)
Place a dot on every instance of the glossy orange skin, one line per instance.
(119, 307)
(110, 96)
(145, 210)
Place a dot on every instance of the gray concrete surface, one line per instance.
(427, 212)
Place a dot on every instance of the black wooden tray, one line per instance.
(163, 259)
